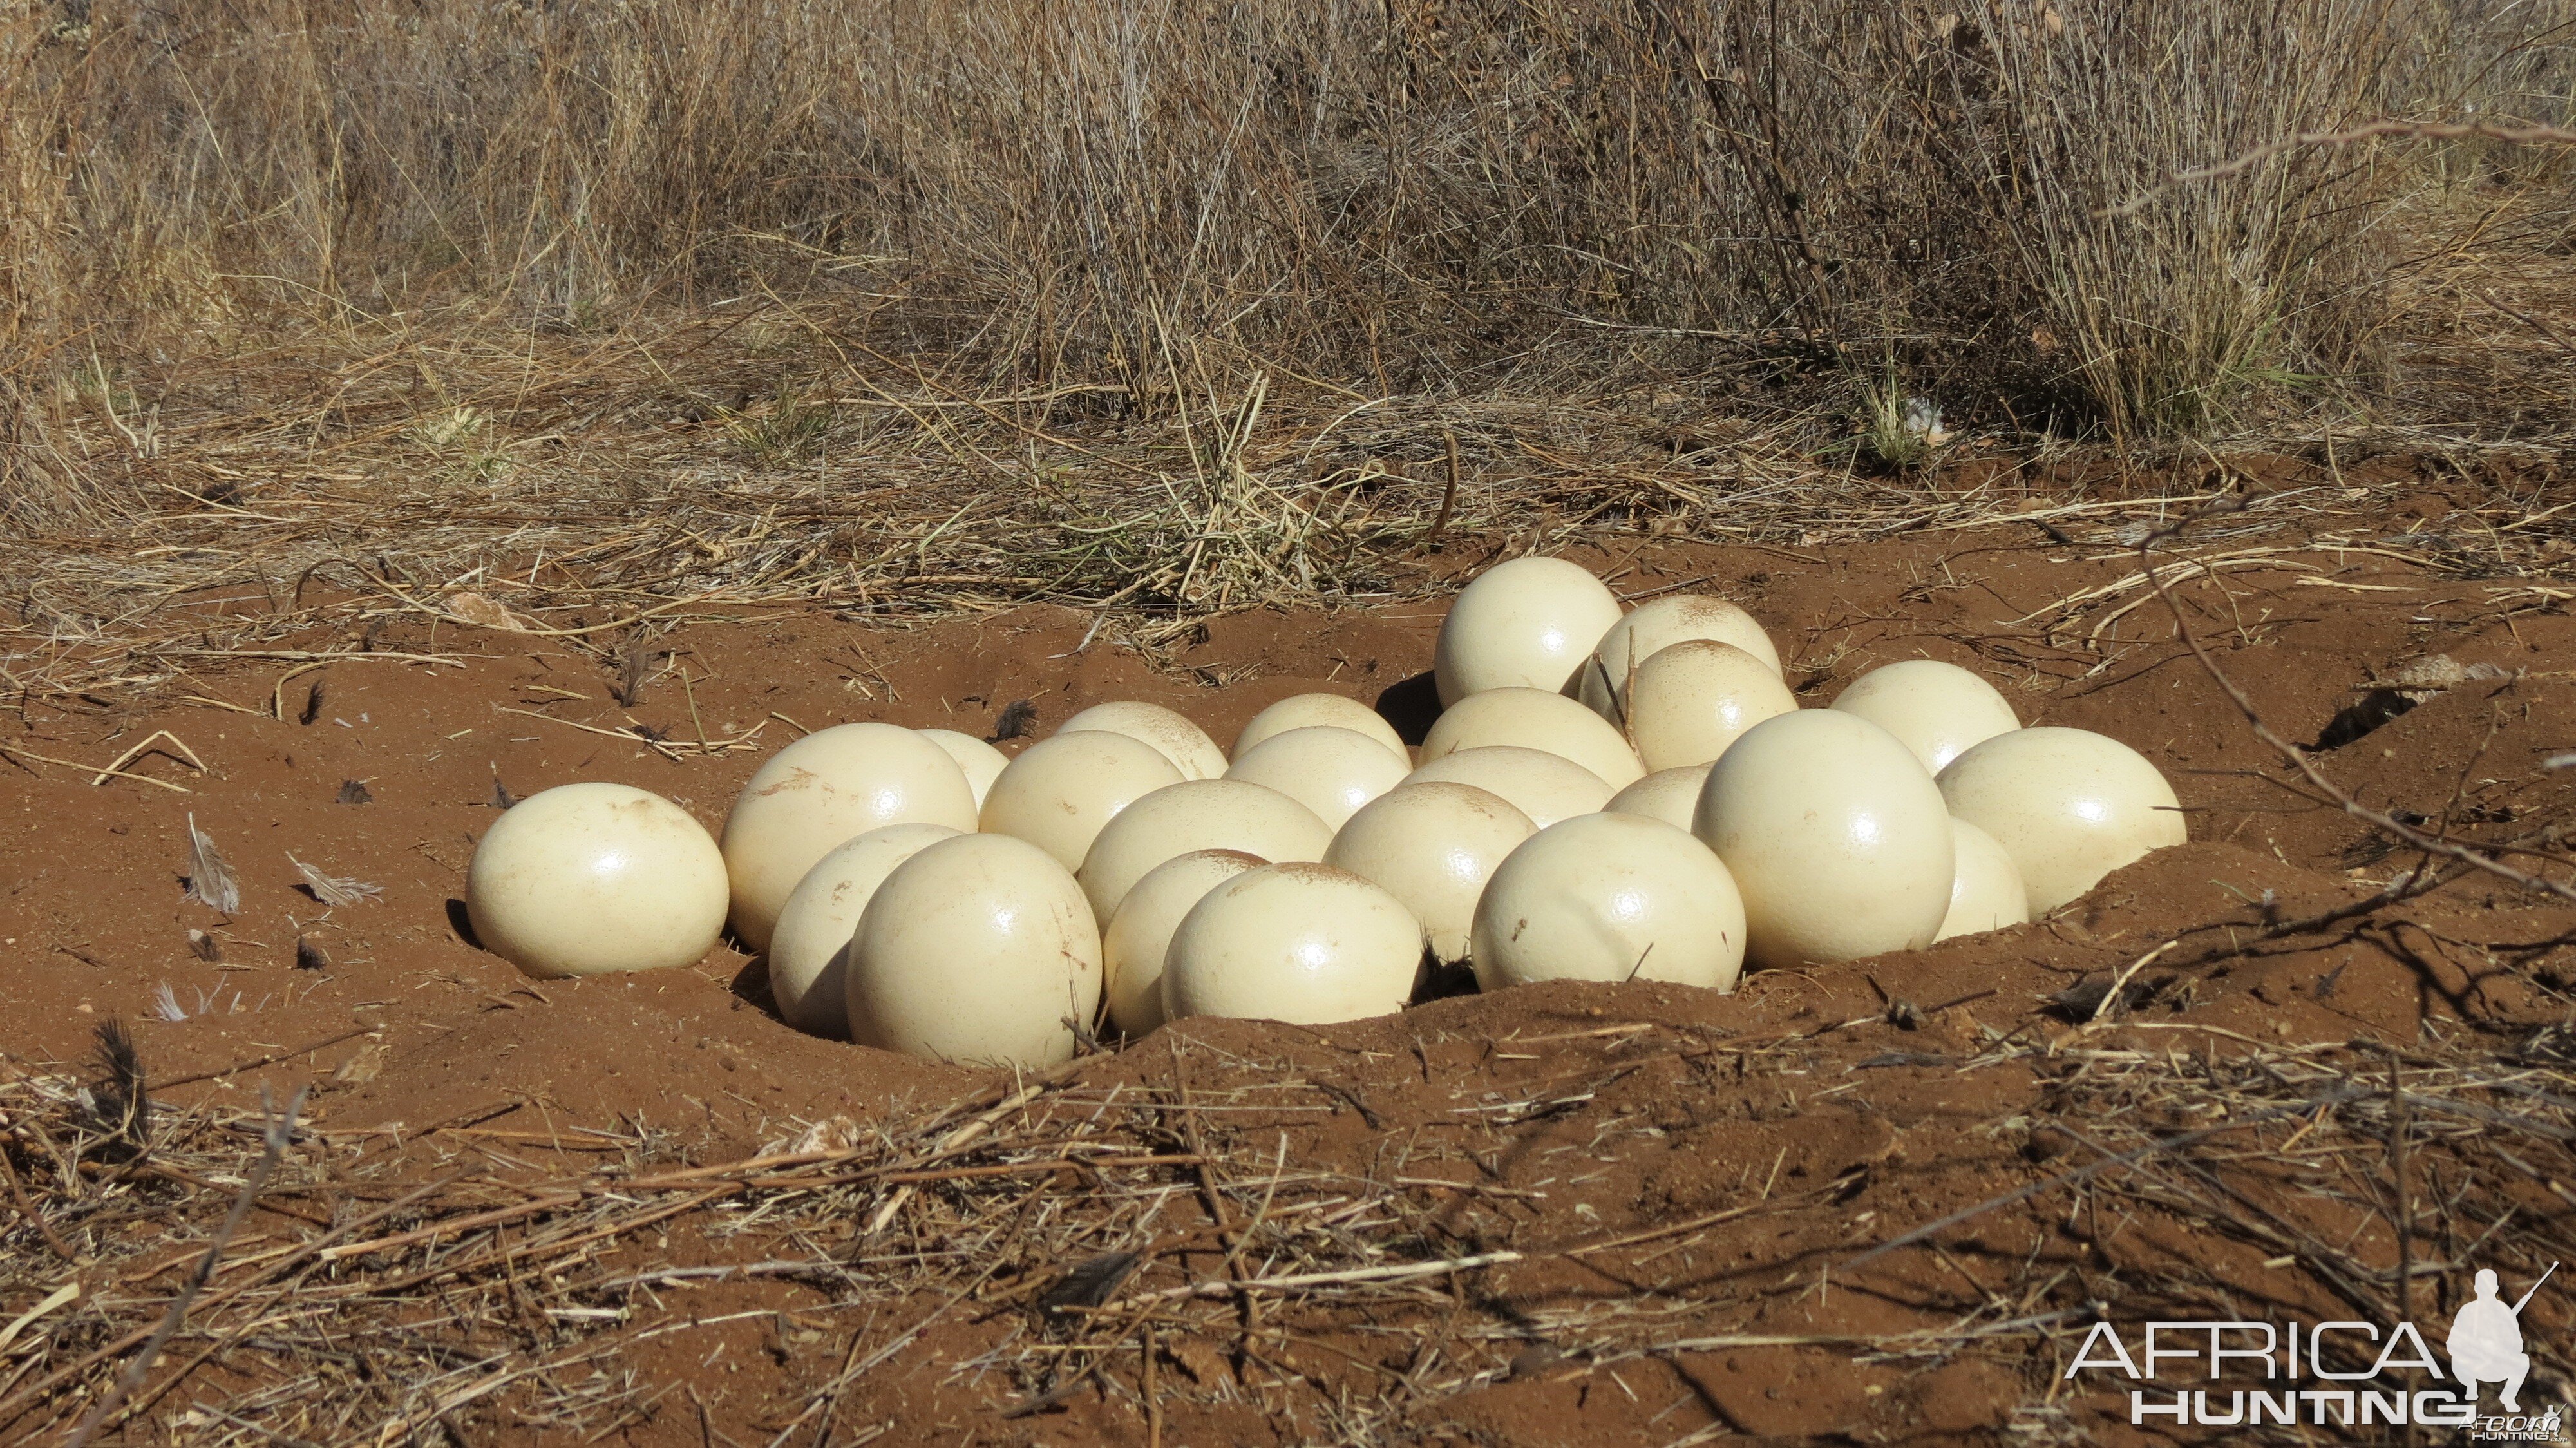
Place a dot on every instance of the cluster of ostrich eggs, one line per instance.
(1608, 794)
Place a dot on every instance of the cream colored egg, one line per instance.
(584, 879)
(1059, 792)
(1196, 814)
(1185, 744)
(1986, 892)
(1692, 699)
(979, 948)
(1670, 795)
(1330, 770)
(1534, 719)
(980, 762)
(1527, 623)
(832, 785)
(1835, 836)
(1305, 943)
(1656, 625)
(1140, 934)
(1308, 711)
(2070, 806)
(1546, 787)
(809, 951)
(1433, 846)
(1610, 897)
(1940, 711)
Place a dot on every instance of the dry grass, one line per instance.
(896, 306)
(1060, 1235)
(1414, 198)
(612, 518)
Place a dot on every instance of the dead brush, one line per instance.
(2463, 1101)
(461, 439)
(786, 428)
(1136, 350)
(1940, 169)
(2178, 313)
(1896, 428)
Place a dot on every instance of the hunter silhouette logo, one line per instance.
(2344, 1373)
(2486, 1342)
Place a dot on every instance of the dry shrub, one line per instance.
(2170, 303)
(1407, 196)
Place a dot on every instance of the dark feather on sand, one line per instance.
(1014, 722)
(120, 1109)
(1089, 1283)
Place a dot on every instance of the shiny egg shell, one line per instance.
(1140, 934)
(585, 879)
(1328, 769)
(980, 762)
(1189, 748)
(1526, 623)
(1656, 625)
(832, 785)
(1433, 846)
(1534, 719)
(809, 951)
(1304, 943)
(1670, 795)
(1835, 835)
(1196, 814)
(1546, 787)
(1938, 710)
(1308, 711)
(1690, 700)
(2070, 806)
(1059, 792)
(977, 949)
(1610, 897)
(1986, 892)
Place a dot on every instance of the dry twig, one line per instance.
(280, 1131)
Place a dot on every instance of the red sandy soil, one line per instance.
(1794, 1099)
